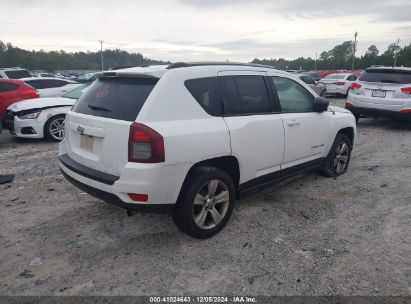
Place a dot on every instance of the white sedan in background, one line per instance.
(41, 117)
(338, 83)
(51, 86)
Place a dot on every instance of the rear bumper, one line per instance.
(370, 112)
(113, 199)
(160, 182)
(336, 90)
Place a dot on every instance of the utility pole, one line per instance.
(101, 54)
(315, 62)
(355, 47)
(396, 52)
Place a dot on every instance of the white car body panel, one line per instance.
(306, 136)
(192, 135)
(49, 107)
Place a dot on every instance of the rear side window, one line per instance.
(307, 79)
(116, 98)
(292, 96)
(17, 74)
(205, 91)
(244, 95)
(53, 83)
(7, 87)
(386, 76)
(37, 84)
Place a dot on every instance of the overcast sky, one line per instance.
(189, 30)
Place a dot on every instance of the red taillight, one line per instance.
(406, 90)
(138, 197)
(348, 104)
(406, 111)
(145, 145)
(340, 83)
(355, 86)
(30, 94)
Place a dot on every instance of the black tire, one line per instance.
(357, 117)
(47, 132)
(184, 211)
(330, 169)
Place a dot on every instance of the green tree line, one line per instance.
(340, 58)
(11, 56)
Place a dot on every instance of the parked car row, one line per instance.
(41, 117)
(332, 84)
(19, 73)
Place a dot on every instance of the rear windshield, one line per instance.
(386, 76)
(17, 74)
(117, 98)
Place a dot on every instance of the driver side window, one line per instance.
(292, 96)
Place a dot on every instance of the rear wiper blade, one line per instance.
(93, 107)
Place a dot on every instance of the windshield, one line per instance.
(335, 76)
(76, 93)
(386, 76)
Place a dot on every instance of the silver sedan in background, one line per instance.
(318, 87)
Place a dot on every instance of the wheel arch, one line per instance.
(349, 131)
(228, 164)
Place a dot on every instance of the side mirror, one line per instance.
(321, 104)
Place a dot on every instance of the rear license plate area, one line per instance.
(86, 142)
(378, 93)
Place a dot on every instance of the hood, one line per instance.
(339, 110)
(38, 103)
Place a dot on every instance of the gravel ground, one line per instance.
(306, 236)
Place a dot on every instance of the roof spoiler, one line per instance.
(177, 65)
(110, 74)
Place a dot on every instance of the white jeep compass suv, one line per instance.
(192, 137)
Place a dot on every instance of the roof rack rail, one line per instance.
(177, 65)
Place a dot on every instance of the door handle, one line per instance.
(293, 122)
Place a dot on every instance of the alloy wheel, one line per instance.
(211, 204)
(342, 152)
(56, 128)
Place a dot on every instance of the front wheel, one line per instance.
(206, 204)
(338, 158)
(54, 128)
